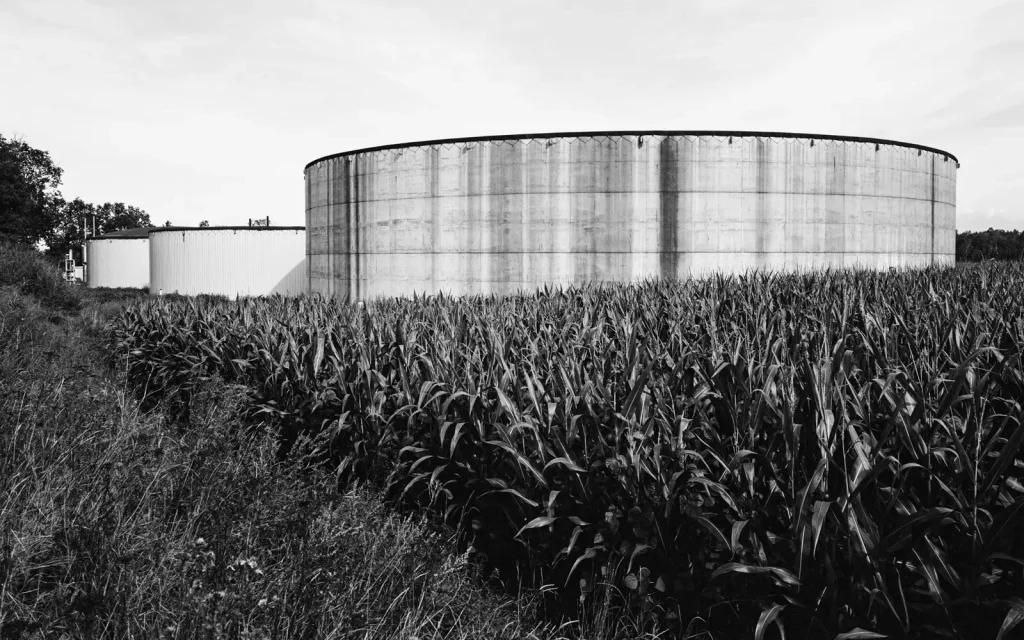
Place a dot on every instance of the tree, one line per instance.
(168, 224)
(66, 233)
(29, 198)
(118, 215)
(105, 218)
(994, 244)
(204, 224)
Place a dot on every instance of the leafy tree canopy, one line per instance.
(994, 244)
(29, 198)
(109, 217)
(32, 209)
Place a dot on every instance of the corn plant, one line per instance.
(831, 454)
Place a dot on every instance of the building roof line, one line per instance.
(243, 228)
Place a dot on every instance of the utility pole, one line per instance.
(85, 250)
(85, 259)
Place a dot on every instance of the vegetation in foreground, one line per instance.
(119, 523)
(831, 454)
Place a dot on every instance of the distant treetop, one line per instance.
(994, 244)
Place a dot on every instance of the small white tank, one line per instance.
(119, 259)
(228, 261)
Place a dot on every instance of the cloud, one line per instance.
(1012, 116)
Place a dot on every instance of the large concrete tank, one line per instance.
(229, 261)
(119, 259)
(497, 214)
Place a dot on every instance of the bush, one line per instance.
(32, 274)
(118, 295)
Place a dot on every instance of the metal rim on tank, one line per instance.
(645, 132)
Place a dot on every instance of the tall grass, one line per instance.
(122, 523)
(822, 454)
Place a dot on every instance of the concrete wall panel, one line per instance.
(495, 216)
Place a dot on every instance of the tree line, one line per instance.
(994, 244)
(34, 212)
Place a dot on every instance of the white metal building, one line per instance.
(119, 259)
(229, 261)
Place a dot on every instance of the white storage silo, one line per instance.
(228, 261)
(500, 214)
(119, 259)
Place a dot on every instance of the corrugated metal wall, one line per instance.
(230, 262)
(500, 215)
(118, 262)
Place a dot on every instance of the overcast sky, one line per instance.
(209, 110)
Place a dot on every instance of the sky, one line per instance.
(198, 110)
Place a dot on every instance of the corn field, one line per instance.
(834, 454)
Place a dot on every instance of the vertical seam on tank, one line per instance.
(327, 228)
(349, 203)
(933, 210)
(668, 209)
(331, 228)
(330, 223)
(433, 157)
(305, 195)
(760, 225)
(354, 231)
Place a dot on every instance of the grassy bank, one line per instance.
(115, 523)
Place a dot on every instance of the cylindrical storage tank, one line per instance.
(228, 261)
(119, 259)
(500, 214)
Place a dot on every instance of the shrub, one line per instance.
(33, 274)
